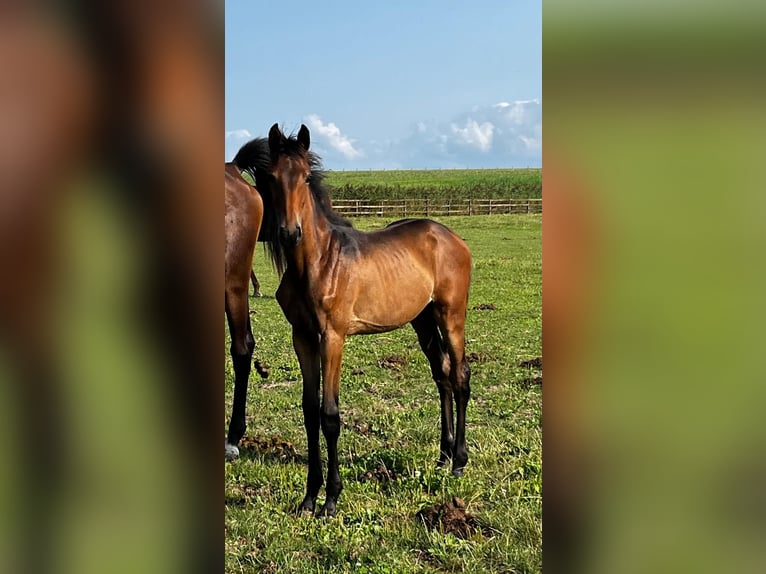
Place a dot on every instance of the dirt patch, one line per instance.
(532, 382)
(536, 363)
(357, 371)
(273, 446)
(449, 518)
(394, 362)
(261, 368)
(484, 307)
(478, 357)
(379, 474)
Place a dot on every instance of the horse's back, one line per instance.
(416, 231)
(242, 222)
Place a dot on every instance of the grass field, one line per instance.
(389, 440)
(447, 184)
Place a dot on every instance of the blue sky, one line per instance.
(418, 84)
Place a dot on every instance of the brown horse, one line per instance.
(339, 281)
(242, 224)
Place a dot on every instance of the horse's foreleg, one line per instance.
(242, 345)
(332, 354)
(307, 349)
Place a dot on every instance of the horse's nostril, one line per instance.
(298, 232)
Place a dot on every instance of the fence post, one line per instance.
(490, 207)
(470, 207)
(357, 208)
(527, 206)
(427, 205)
(449, 207)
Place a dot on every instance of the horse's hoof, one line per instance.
(307, 507)
(231, 451)
(258, 294)
(327, 510)
(457, 472)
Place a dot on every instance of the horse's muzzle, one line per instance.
(290, 238)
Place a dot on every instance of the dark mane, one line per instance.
(254, 157)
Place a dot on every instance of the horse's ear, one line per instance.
(275, 139)
(303, 137)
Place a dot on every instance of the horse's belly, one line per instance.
(388, 311)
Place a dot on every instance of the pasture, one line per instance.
(390, 432)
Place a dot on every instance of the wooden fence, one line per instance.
(429, 207)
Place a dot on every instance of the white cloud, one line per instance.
(507, 133)
(239, 134)
(331, 134)
(504, 134)
(473, 134)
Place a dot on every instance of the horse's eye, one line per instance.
(308, 179)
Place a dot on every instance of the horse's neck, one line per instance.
(315, 242)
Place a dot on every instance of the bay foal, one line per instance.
(339, 281)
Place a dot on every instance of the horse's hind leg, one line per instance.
(242, 345)
(256, 284)
(452, 324)
(435, 351)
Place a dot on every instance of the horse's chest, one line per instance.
(301, 309)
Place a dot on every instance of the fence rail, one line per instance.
(435, 207)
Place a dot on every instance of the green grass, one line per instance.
(376, 529)
(443, 184)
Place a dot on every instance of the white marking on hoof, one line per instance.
(231, 451)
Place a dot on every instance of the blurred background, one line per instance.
(111, 116)
(653, 286)
(111, 125)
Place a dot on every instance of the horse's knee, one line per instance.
(242, 350)
(330, 418)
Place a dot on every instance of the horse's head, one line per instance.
(291, 170)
